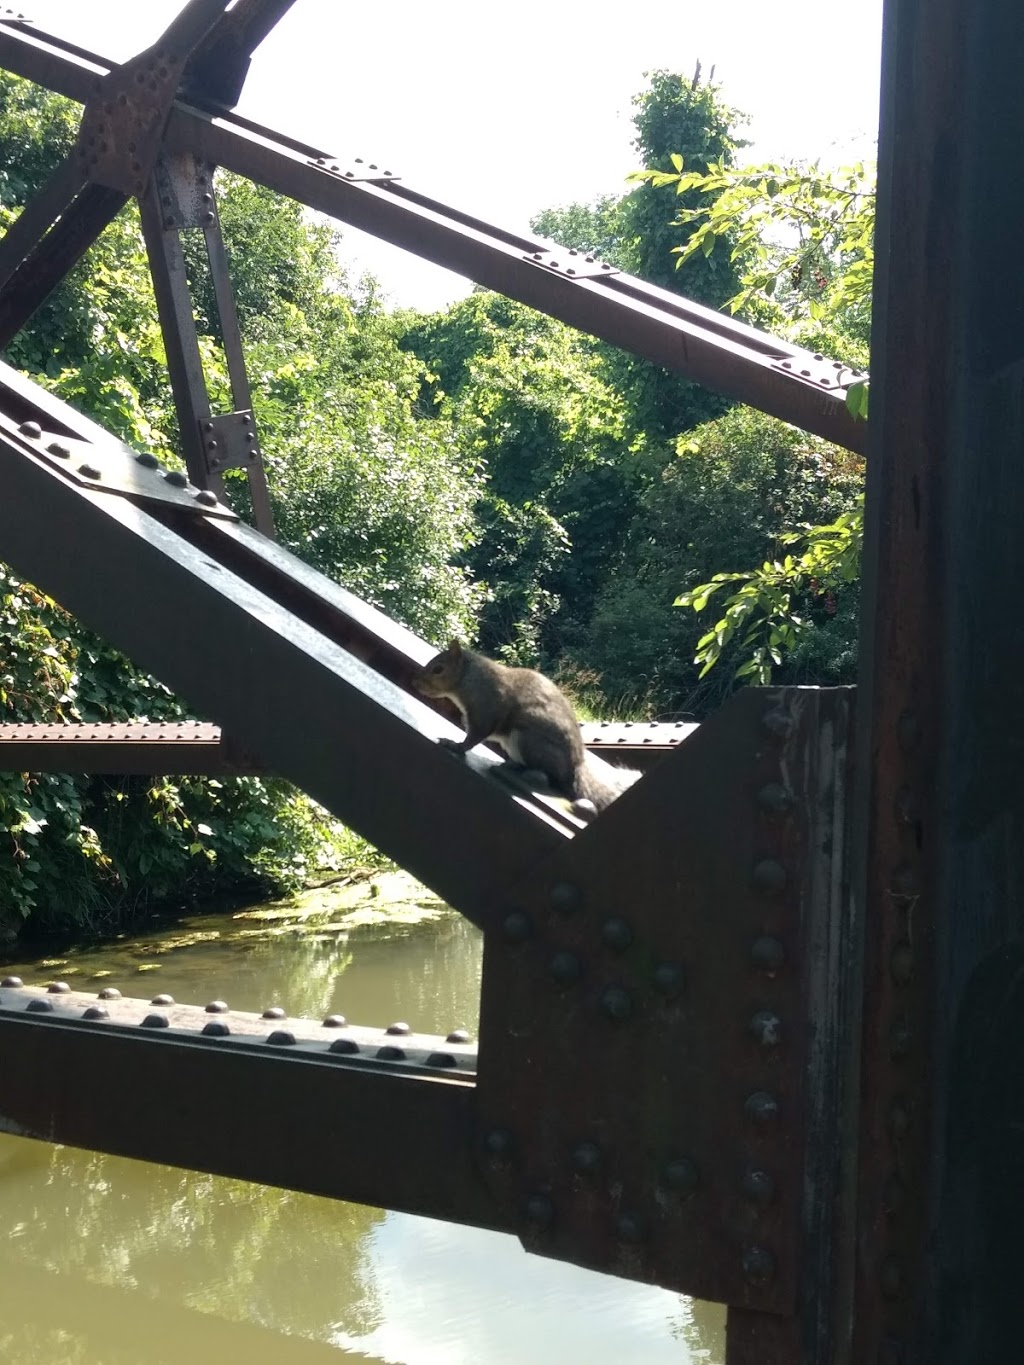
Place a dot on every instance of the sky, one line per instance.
(504, 111)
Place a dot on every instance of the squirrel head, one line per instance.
(436, 678)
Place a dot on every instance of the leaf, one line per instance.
(708, 243)
(677, 161)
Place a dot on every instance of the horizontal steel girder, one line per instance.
(707, 347)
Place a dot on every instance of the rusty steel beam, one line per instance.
(163, 1082)
(939, 855)
(216, 73)
(366, 748)
(684, 337)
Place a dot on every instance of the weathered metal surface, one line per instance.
(110, 467)
(366, 749)
(710, 348)
(146, 748)
(686, 985)
(39, 215)
(335, 1123)
(635, 744)
(571, 263)
(216, 72)
(356, 169)
(939, 854)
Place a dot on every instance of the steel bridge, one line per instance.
(755, 1035)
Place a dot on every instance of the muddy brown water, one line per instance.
(105, 1261)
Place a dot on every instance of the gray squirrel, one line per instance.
(530, 718)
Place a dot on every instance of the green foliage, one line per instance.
(729, 496)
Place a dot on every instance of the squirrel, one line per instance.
(529, 717)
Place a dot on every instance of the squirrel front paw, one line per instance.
(453, 745)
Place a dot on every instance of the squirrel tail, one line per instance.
(601, 782)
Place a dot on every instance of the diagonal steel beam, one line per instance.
(217, 70)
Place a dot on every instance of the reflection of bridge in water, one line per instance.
(736, 1035)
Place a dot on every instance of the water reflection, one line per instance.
(104, 1260)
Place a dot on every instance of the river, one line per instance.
(105, 1261)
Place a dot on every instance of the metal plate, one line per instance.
(229, 441)
(830, 375)
(358, 169)
(574, 265)
(113, 468)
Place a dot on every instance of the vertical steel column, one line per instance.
(939, 839)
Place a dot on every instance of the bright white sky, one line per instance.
(507, 110)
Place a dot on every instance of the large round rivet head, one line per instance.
(616, 1004)
(390, 1053)
(617, 935)
(516, 927)
(335, 1021)
(216, 1028)
(565, 898)
(631, 1227)
(680, 1175)
(586, 1158)
(282, 1037)
(566, 968)
(458, 1035)
(345, 1046)
(176, 478)
(441, 1059)
(217, 1007)
(274, 1012)
(758, 1265)
(39, 1006)
(90, 471)
(147, 460)
(767, 954)
(769, 876)
(498, 1142)
(761, 1107)
(58, 988)
(206, 497)
(399, 1030)
(156, 1021)
(669, 979)
(162, 1000)
(758, 1187)
(31, 429)
(540, 1211)
(109, 993)
(766, 1028)
(58, 448)
(12, 982)
(96, 1012)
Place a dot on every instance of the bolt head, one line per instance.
(275, 1012)
(617, 935)
(631, 1227)
(516, 927)
(761, 1107)
(216, 1028)
(162, 1000)
(758, 1187)
(586, 1158)
(766, 1028)
(767, 954)
(39, 1006)
(770, 876)
(566, 968)
(565, 897)
(12, 982)
(441, 1059)
(498, 1142)
(335, 1021)
(156, 1021)
(282, 1037)
(458, 1035)
(96, 1012)
(217, 1007)
(616, 1004)
(58, 988)
(669, 979)
(109, 993)
(400, 1030)
(345, 1046)
(540, 1211)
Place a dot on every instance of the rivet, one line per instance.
(899, 1039)
(58, 988)
(775, 798)
(147, 460)
(573, 251)
(12, 982)
(207, 424)
(207, 198)
(761, 1107)
(170, 221)
(566, 968)
(373, 165)
(498, 1142)
(758, 1265)
(347, 1046)
(39, 1006)
(216, 1028)
(758, 1187)
(907, 807)
(282, 1037)
(217, 1007)
(96, 1012)
(275, 1012)
(441, 1059)
(899, 1121)
(398, 1030)
(890, 1277)
(458, 1035)
(32, 429)
(777, 722)
(109, 993)
(766, 1028)
(680, 1176)
(516, 927)
(616, 1004)
(57, 448)
(335, 1021)
(156, 1021)
(769, 876)
(209, 218)
(89, 471)
(540, 1211)
(162, 1000)
(631, 1227)
(617, 935)
(767, 953)
(901, 962)
(669, 979)
(564, 897)
(390, 1053)
(586, 1158)
(908, 730)
(176, 478)
(206, 497)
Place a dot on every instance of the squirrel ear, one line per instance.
(454, 648)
